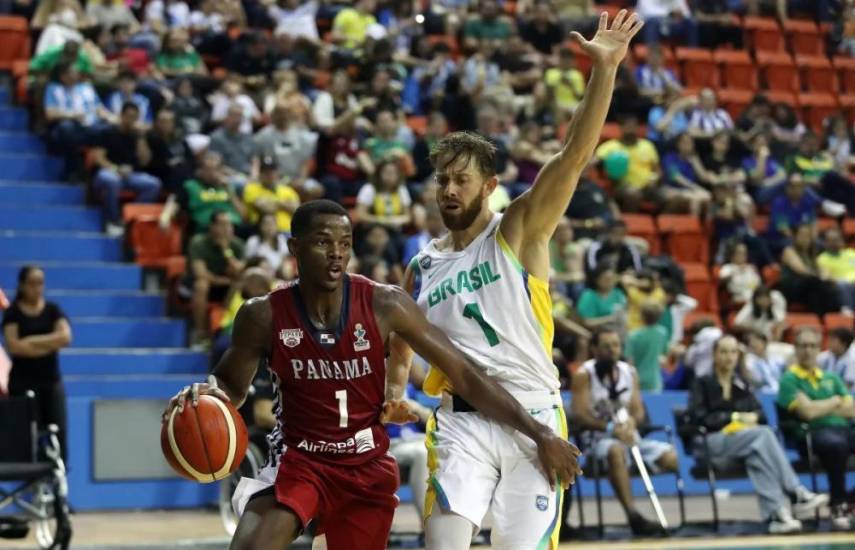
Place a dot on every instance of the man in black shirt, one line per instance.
(542, 31)
(591, 210)
(121, 159)
(251, 61)
(614, 248)
(169, 158)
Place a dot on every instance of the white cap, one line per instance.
(197, 142)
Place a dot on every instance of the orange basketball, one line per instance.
(204, 443)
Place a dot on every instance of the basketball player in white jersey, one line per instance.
(485, 284)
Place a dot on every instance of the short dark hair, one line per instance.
(470, 144)
(599, 332)
(23, 273)
(651, 312)
(216, 214)
(845, 335)
(130, 106)
(303, 216)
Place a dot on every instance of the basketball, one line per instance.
(204, 443)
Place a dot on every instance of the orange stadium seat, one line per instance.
(761, 223)
(804, 36)
(823, 224)
(700, 286)
(418, 124)
(699, 67)
(779, 71)
(846, 71)
(136, 210)
(771, 275)
(694, 316)
(849, 230)
(14, 40)
(817, 73)
(837, 320)
(155, 249)
(781, 96)
(684, 238)
(643, 225)
(734, 101)
(816, 108)
(764, 34)
(847, 105)
(796, 320)
(738, 71)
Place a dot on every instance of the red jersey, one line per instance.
(331, 383)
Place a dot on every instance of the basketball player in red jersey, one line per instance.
(325, 337)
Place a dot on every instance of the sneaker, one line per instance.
(642, 526)
(783, 522)
(115, 229)
(840, 520)
(807, 502)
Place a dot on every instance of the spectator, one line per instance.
(591, 210)
(817, 169)
(126, 92)
(837, 264)
(488, 24)
(270, 195)
(272, 245)
(286, 91)
(63, 24)
(730, 214)
(717, 24)
(254, 282)
(604, 303)
(640, 289)
(766, 313)
(431, 79)
(351, 26)
(163, 15)
(639, 177)
(764, 176)
(386, 201)
(723, 403)
(720, 166)
(231, 93)
(698, 360)
(296, 19)
(764, 368)
(839, 358)
(437, 127)
(565, 85)
(489, 126)
(755, 119)
(607, 401)
(647, 347)
(384, 143)
(337, 108)
(530, 152)
(377, 245)
(615, 250)
(801, 280)
(345, 164)
(122, 159)
(567, 260)
(667, 121)
(481, 76)
(678, 306)
(797, 206)
(191, 112)
(292, 147)
(433, 229)
(787, 131)
(251, 62)
(169, 161)
(34, 330)
(215, 263)
(667, 19)
(839, 144)
(208, 193)
(681, 171)
(542, 30)
(178, 57)
(738, 276)
(821, 400)
(70, 53)
(234, 146)
(655, 81)
(708, 119)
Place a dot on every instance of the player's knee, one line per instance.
(617, 454)
(668, 461)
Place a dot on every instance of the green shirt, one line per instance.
(666, 321)
(378, 148)
(204, 200)
(816, 385)
(496, 29)
(644, 347)
(186, 61)
(203, 248)
(592, 305)
(46, 61)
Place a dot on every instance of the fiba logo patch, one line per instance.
(425, 262)
(361, 343)
(291, 337)
(542, 503)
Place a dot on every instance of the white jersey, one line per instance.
(491, 308)
(602, 404)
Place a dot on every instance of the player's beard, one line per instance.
(466, 217)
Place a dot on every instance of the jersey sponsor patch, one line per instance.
(327, 338)
(361, 343)
(541, 502)
(291, 337)
(425, 262)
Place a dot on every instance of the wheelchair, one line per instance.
(31, 463)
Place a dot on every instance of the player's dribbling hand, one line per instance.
(193, 392)
(397, 411)
(559, 460)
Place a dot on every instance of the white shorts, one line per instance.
(651, 451)
(476, 463)
(249, 486)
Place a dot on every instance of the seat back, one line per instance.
(19, 429)
(686, 430)
(788, 424)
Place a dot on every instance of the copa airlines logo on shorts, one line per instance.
(361, 442)
(542, 502)
(320, 369)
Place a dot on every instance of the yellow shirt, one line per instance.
(635, 299)
(643, 160)
(231, 311)
(840, 267)
(254, 191)
(353, 26)
(567, 94)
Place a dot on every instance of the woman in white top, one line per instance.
(272, 246)
(738, 275)
(765, 313)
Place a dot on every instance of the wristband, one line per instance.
(610, 427)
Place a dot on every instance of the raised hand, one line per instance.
(609, 45)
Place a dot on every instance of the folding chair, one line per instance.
(738, 71)
(779, 70)
(764, 34)
(31, 462)
(818, 73)
(643, 225)
(804, 36)
(684, 237)
(699, 67)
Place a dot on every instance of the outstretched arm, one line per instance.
(532, 218)
(557, 456)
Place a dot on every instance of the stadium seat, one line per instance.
(804, 36)
(816, 107)
(849, 230)
(20, 70)
(837, 320)
(611, 130)
(640, 54)
(14, 41)
(779, 71)
(781, 96)
(796, 320)
(734, 101)
(846, 71)
(684, 238)
(694, 316)
(156, 249)
(134, 210)
(450, 41)
(847, 106)
(764, 34)
(418, 124)
(699, 67)
(761, 223)
(818, 74)
(738, 71)
(643, 225)
(700, 286)
(824, 223)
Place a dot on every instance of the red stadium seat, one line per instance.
(764, 34)
(847, 105)
(832, 321)
(849, 230)
(798, 320)
(14, 41)
(738, 71)
(779, 71)
(699, 68)
(700, 286)
(643, 225)
(135, 210)
(684, 238)
(771, 275)
(734, 101)
(761, 223)
(418, 124)
(816, 108)
(611, 130)
(156, 249)
(823, 224)
(780, 96)
(818, 73)
(846, 71)
(694, 316)
(804, 36)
